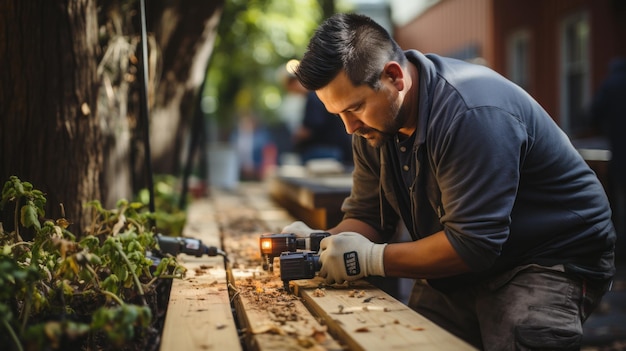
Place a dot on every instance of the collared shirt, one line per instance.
(494, 172)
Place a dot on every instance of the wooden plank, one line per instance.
(366, 318)
(275, 319)
(271, 318)
(199, 314)
(300, 206)
(317, 202)
(202, 224)
(314, 218)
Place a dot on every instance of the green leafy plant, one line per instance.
(57, 291)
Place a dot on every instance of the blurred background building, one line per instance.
(558, 50)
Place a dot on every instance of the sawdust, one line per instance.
(272, 314)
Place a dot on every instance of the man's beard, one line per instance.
(374, 137)
(392, 123)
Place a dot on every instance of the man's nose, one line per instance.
(351, 123)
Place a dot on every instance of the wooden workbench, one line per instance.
(315, 200)
(239, 306)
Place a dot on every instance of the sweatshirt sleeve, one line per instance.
(477, 162)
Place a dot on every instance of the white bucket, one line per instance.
(223, 166)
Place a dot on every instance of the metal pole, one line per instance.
(144, 104)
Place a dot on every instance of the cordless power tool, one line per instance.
(298, 265)
(189, 246)
(273, 245)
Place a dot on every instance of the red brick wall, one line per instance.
(449, 26)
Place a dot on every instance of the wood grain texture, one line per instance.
(366, 318)
(199, 314)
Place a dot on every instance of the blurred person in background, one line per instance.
(315, 133)
(251, 140)
(322, 134)
(608, 110)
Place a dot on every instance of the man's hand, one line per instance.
(350, 256)
(300, 229)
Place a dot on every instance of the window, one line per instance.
(518, 56)
(574, 77)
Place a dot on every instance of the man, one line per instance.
(512, 238)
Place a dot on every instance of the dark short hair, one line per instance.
(351, 42)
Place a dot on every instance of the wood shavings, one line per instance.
(319, 336)
(356, 293)
(269, 328)
(305, 342)
(319, 292)
(375, 308)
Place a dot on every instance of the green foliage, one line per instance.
(55, 289)
(120, 322)
(33, 203)
(255, 38)
(170, 219)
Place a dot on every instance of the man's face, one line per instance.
(371, 114)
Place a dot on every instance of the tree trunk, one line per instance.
(181, 37)
(185, 34)
(49, 130)
(69, 128)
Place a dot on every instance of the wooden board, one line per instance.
(271, 318)
(366, 318)
(275, 319)
(199, 314)
(314, 200)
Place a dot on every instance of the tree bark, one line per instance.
(49, 131)
(181, 38)
(185, 34)
(72, 130)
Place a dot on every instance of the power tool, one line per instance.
(298, 265)
(189, 246)
(273, 245)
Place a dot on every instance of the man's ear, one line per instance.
(393, 72)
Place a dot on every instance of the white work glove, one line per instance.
(300, 229)
(350, 256)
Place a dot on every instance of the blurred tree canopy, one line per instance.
(255, 39)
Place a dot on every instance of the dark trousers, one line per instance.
(527, 308)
